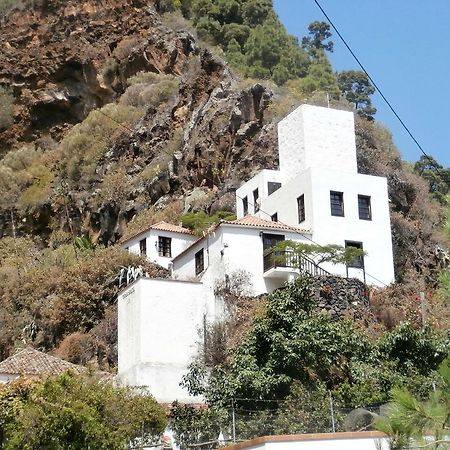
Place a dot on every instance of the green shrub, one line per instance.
(199, 221)
(87, 141)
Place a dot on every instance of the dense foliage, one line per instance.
(412, 421)
(75, 412)
(291, 352)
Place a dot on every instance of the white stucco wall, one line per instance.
(284, 202)
(313, 136)
(179, 243)
(375, 234)
(232, 249)
(159, 330)
(260, 182)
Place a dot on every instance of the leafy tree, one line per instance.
(75, 412)
(437, 176)
(336, 254)
(410, 418)
(319, 32)
(319, 78)
(357, 89)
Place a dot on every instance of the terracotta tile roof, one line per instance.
(161, 226)
(256, 222)
(33, 362)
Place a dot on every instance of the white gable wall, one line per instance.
(179, 243)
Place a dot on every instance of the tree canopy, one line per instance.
(357, 89)
(75, 412)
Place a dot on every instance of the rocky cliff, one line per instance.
(194, 127)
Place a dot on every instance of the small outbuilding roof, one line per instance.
(161, 226)
(33, 362)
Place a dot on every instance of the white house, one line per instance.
(160, 242)
(239, 250)
(316, 196)
(319, 189)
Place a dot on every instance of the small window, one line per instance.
(165, 246)
(143, 247)
(274, 217)
(245, 205)
(337, 203)
(358, 262)
(273, 186)
(364, 208)
(199, 262)
(301, 208)
(256, 200)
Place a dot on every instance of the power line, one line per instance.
(432, 162)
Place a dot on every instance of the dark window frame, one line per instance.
(274, 217)
(359, 261)
(143, 247)
(165, 246)
(245, 205)
(337, 203)
(301, 208)
(272, 186)
(255, 200)
(364, 209)
(199, 262)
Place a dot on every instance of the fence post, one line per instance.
(332, 412)
(233, 421)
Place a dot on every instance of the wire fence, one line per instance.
(315, 412)
(255, 418)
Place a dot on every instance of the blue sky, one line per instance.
(405, 46)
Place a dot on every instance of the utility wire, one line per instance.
(294, 229)
(388, 103)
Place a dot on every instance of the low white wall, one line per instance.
(159, 330)
(366, 440)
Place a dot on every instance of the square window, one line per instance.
(143, 247)
(256, 200)
(165, 246)
(199, 262)
(245, 205)
(301, 208)
(273, 186)
(364, 207)
(358, 262)
(274, 217)
(337, 203)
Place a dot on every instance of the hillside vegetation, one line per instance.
(116, 115)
